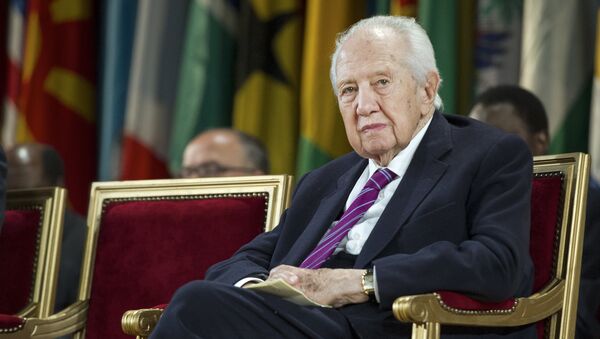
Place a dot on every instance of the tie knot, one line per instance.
(380, 178)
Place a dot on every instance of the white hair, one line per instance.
(421, 59)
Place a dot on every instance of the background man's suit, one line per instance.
(459, 220)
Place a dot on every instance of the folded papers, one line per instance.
(284, 290)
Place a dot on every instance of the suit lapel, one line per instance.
(423, 173)
(329, 208)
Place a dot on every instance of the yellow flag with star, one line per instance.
(267, 77)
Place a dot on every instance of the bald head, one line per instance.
(34, 165)
(223, 152)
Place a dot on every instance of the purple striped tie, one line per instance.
(357, 209)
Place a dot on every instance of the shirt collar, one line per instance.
(400, 162)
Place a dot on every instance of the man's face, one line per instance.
(381, 103)
(216, 155)
(504, 117)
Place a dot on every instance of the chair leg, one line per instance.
(426, 331)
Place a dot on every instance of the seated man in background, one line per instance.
(426, 202)
(224, 152)
(38, 165)
(516, 110)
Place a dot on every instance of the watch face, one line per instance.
(368, 283)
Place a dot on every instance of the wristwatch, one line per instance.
(367, 283)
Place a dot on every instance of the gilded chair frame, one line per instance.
(557, 300)
(51, 202)
(72, 320)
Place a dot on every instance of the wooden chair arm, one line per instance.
(430, 308)
(140, 322)
(67, 321)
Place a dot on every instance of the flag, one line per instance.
(465, 55)
(378, 7)
(3, 56)
(267, 77)
(557, 66)
(152, 88)
(451, 29)
(440, 20)
(392, 7)
(15, 32)
(56, 100)
(118, 31)
(498, 45)
(594, 141)
(206, 87)
(404, 7)
(322, 134)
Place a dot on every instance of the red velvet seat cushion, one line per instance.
(462, 302)
(147, 249)
(18, 255)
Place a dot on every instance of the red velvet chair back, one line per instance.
(546, 203)
(28, 251)
(553, 231)
(19, 249)
(154, 236)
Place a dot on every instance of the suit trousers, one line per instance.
(205, 309)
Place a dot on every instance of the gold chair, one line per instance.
(559, 194)
(30, 244)
(146, 238)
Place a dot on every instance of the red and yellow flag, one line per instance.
(56, 102)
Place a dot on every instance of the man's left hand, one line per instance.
(335, 287)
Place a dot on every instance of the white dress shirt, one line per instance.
(358, 235)
(354, 241)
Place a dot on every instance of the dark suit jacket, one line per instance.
(458, 221)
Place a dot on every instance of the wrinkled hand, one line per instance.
(335, 287)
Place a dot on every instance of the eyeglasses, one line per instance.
(211, 169)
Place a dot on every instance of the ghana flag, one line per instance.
(266, 100)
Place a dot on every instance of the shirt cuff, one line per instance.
(375, 284)
(247, 280)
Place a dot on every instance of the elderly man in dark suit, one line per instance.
(425, 202)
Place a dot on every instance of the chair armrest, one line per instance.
(67, 321)
(10, 323)
(141, 322)
(431, 308)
